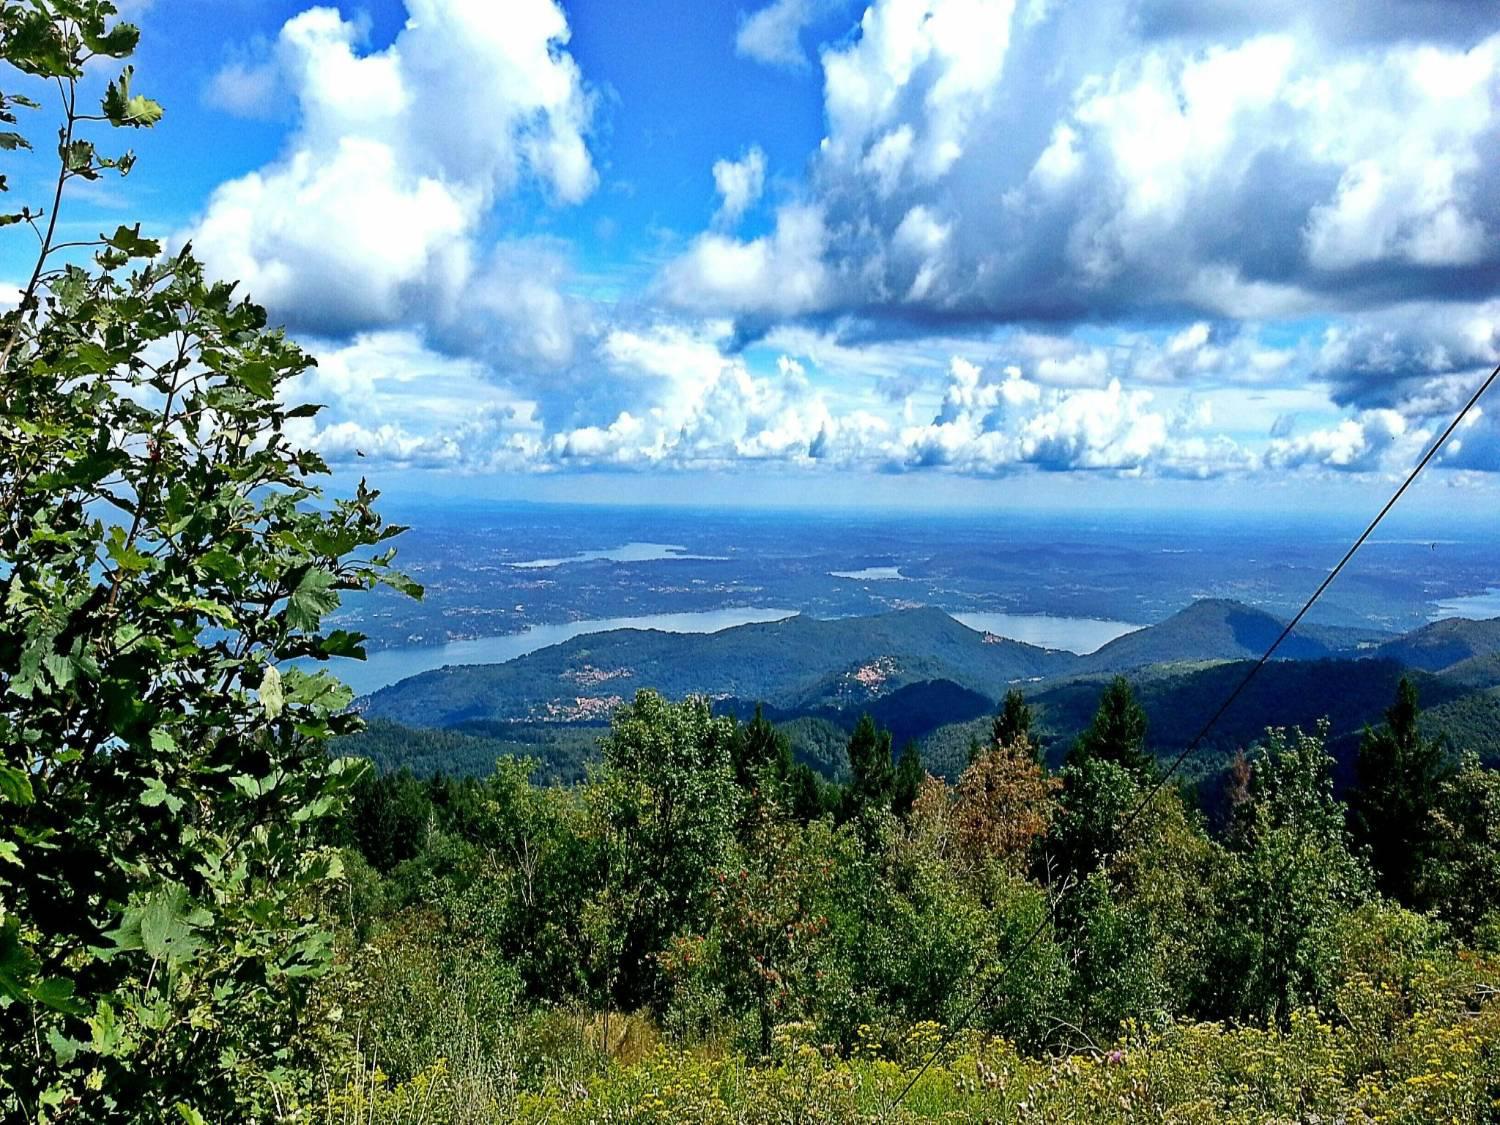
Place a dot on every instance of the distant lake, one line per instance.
(1477, 606)
(1082, 635)
(387, 666)
(629, 553)
(871, 574)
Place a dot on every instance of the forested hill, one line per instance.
(931, 680)
(1444, 644)
(806, 663)
(1219, 629)
(798, 661)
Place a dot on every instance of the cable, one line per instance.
(1192, 747)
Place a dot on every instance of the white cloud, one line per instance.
(782, 273)
(389, 398)
(245, 89)
(1112, 160)
(398, 155)
(739, 184)
(772, 35)
(1359, 444)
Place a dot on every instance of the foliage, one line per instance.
(664, 806)
(1399, 774)
(1117, 733)
(1295, 876)
(163, 554)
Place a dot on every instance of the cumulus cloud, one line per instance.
(389, 398)
(739, 184)
(772, 35)
(374, 208)
(1357, 444)
(1089, 161)
(779, 274)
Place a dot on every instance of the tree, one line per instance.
(1117, 732)
(666, 806)
(1013, 723)
(164, 554)
(1399, 782)
(1003, 803)
(762, 758)
(1462, 875)
(871, 776)
(1295, 876)
(907, 779)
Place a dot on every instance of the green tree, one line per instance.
(762, 760)
(1399, 781)
(666, 806)
(1295, 876)
(871, 772)
(906, 781)
(1117, 732)
(1462, 875)
(164, 555)
(1013, 723)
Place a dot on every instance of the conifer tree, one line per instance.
(871, 774)
(1117, 732)
(1013, 723)
(1400, 777)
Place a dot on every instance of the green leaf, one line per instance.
(12, 141)
(64, 1049)
(15, 785)
(258, 378)
(156, 794)
(313, 597)
(124, 108)
(162, 925)
(117, 43)
(57, 993)
(129, 241)
(17, 965)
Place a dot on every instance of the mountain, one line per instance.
(799, 662)
(1443, 644)
(1209, 630)
(930, 679)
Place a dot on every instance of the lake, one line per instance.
(628, 553)
(871, 574)
(1477, 606)
(1082, 635)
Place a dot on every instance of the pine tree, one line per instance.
(1117, 732)
(1400, 776)
(907, 780)
(871, 776)
(1013, 723)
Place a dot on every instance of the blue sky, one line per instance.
(1122, 252)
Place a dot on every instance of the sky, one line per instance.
(1190, 253)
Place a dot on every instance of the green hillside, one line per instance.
(1443, 644)
(798, 662)
(1211, 629)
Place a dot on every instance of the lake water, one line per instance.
(387, 666)
(871, 574)
(1477, 606)
(1082, 635)
(629, 553)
